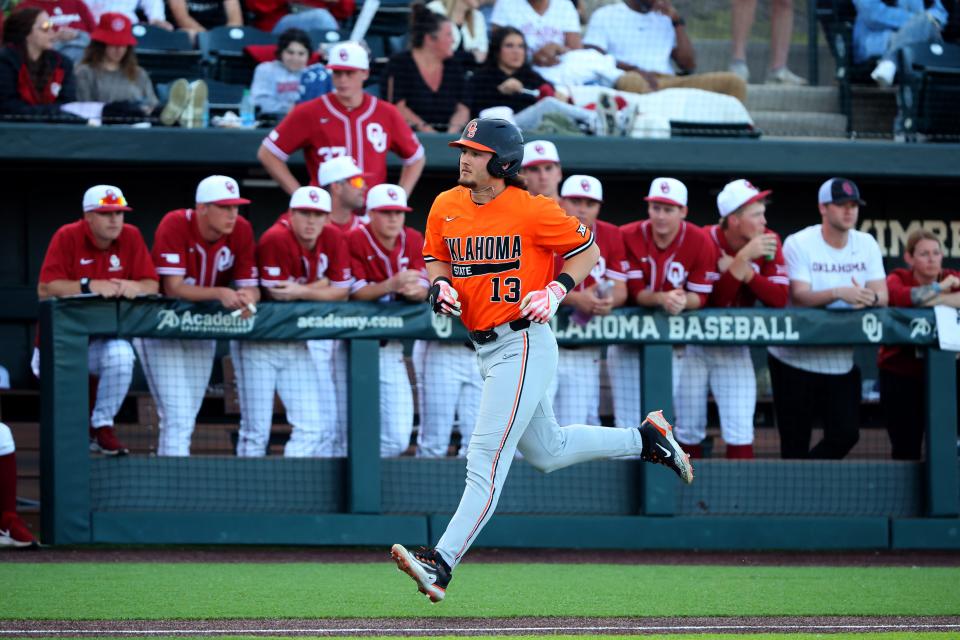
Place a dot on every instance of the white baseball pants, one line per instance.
(6, 440)
(111, 360)
(450, 387)
(575, 391)
(339, 362)
(729, 373)
(515, 413)
(623, 364)
(396, 401)
(178, 372)
(288, 369)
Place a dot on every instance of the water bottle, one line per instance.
(247, 116)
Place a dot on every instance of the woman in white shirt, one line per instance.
(470, 32)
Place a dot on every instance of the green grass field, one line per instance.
(158, 591)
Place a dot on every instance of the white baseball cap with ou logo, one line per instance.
(737, 194)
(387, 197)
(104, 197)
(222, 190)
(580, 186)
(347, 56)
(539, 152)
(312, 198)
(668, 191)
(337, 169)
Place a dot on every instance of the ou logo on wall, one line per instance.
(377, 137)
(442, 325)
(676, 274)
(872, 327)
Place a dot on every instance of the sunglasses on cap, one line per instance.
(357, 182)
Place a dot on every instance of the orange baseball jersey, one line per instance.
(500, 251)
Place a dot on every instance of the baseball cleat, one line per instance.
(14, 533)
(104, 440)
(427, 569)
(659, 446)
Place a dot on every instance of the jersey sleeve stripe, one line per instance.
(275, 150)
(779, 280)
(615, 275)
(247, 282)
(427, 258)
(270, 283)
(583, 247)
(416, 156)
(342, 284)
(699, 288)
(171, 271)
(357, 285)
(634, 274)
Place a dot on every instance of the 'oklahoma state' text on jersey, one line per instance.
(500, 251)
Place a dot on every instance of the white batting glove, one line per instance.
(541, 305)
(443, 298)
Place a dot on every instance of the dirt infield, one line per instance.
(475, 626)
(240, 554)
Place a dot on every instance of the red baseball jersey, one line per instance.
(281, 258)
(72, 255)
(179, 250)
(770, 284)
(689, 262)
(612, 264)
(371, 262)
(325, 129)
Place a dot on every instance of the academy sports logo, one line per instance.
(314, 196)
(211, 323)
(472, 129)
(920, 327)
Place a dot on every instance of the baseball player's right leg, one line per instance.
(516, 369)
(734, 385)
(111, 360)
(256, 365)
(177, 372)
(438, 394)
(13, 531)
(690, 376)
(301, 391)
(623, 363)
(396, 401)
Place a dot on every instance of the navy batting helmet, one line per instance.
(500, 137)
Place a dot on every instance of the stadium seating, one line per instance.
(836, 18)
(222, 49)
(166, 55)
(929, 89)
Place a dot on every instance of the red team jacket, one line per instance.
(324, 129)
(690, 262)
(770, 285)
(902, 359)
(371, 262)
(179, 250)
(612, 264)
(281, 258)
(72, 255)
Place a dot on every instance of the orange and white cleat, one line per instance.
(426, 567)
(660, 447)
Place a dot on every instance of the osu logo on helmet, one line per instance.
(314, 196)
(472, 129)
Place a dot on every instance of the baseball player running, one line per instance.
(387, 263)
(13, 531)
(300, 257)
(576, 392)
(101, 255)
(344, 122)
(751, 268)
(489, 251)
(199, 253)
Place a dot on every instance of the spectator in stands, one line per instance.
(300, 257)
(425, 82)
(576, 386)
(100, 255)
(672, 267)
(276, 84)
(72, 24)
(831, 265)
(469, 29)
(541, 170)
(205, 253)
(507, 80)
(647, 60)
(550, 27)
(109, 73)
(752, 269)
(276, 16)
(328, 127)
(387, 264)
(13, 531)
(781, 30)
(883, 27)
(902, 379)
(197, 16)
(152, 9)
(35, 80)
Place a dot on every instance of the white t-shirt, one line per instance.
(810, 259)
(476, 41)
(644, 40)
(560, 18)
